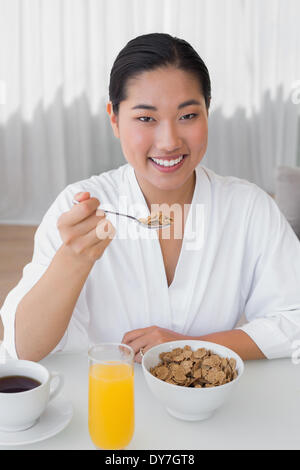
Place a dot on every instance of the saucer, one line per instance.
(55, 418)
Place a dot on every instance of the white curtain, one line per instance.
(55, 60)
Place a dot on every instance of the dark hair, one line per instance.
(152, 51)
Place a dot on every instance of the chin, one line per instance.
(168, 185)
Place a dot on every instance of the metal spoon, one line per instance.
(154, 225)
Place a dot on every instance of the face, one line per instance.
(164, 117)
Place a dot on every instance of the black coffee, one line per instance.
(17, 383)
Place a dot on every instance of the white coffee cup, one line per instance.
(21, 410)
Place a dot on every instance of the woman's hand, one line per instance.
(84, 230)
(146, 338)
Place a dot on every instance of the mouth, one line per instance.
(168, 164)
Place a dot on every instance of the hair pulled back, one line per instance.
(152, 51)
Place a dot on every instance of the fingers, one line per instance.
(82, 196)
(137, 339)
(80, 212)
(146, 338)
(86, 221)
(138, 344)
(82, 220)
(91, 243)
(134, 334)
(105, 229)
(84, 230)
(87, 224)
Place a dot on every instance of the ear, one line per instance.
(113, 120)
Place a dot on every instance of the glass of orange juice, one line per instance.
(111, 395)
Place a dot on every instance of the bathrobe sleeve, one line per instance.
(47, 241)
(271, 279)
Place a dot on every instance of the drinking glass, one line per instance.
(111, 395)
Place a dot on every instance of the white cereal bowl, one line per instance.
(188, 403)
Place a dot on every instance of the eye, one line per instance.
(188, 116)
(144, 117)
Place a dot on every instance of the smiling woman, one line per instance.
(160, 94)
(235, 253)
(166, 140)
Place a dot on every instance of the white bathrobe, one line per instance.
(239, 255)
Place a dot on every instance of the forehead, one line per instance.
(162, 85)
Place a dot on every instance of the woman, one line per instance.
(88, 284)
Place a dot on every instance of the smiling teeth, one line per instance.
(167, 162)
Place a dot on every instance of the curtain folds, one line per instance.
(55, 60)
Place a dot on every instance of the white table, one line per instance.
(262, 413)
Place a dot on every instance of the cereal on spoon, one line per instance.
(157, 219)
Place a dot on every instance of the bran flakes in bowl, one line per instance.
(198, 369)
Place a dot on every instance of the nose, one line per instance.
(167, 138)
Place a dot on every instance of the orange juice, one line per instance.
(111, 404)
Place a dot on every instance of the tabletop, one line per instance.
(263, 411)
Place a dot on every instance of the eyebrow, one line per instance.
(153, 108)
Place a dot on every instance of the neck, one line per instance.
(154, 195)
